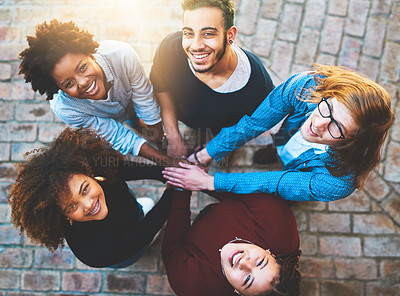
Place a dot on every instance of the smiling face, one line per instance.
(79, 76)
(315, 128)
(249, 268)
(87, 201)
(204, 38)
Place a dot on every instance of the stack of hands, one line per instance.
(191, 173)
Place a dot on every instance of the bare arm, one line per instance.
(149, 152)
(176, 145)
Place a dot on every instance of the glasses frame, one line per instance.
(332, 119)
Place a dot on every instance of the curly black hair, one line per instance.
(51, 42)
(42, 182)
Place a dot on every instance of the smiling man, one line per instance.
(95, 85)
(202, 78)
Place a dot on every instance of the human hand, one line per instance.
(189, 177)
(177, 148)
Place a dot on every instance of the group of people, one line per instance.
(334, 122)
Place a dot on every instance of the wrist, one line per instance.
(210, 183)
(202, 156)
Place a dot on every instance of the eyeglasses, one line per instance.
(334, 128)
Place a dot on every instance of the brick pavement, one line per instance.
(350, 247)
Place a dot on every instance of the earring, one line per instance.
(230, 41)
(69, 220)
(99, 178)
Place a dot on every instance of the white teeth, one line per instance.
(236, 257)
(200, 56)
(313, 130)
(91, 87)
(95, 208)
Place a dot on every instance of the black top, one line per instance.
(120, 235)
(196, 104)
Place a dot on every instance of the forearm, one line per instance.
(149, 152)
(177, 225)
(131, 170)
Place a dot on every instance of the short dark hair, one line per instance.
(51, 42)
(42, 182)
(227, 7)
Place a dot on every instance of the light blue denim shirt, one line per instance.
(305, 177)
(131, 93)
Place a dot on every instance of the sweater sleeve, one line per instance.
(118, 246)
(290, 184)
(121, 138)
(131, 170)
(180, 265)
(280, 102)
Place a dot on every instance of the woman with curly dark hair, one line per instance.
(245, 244)
(75, 189)
(96, 85)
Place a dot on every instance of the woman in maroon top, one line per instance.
(247, 245)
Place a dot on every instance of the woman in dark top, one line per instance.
(245, 244)
(75, 190)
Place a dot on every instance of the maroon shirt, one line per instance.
(191, 253)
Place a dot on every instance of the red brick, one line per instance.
(316, 267)
(246, 22)
(34, 112)
(290, 22)
(5, 69)
(40, 280)
(356, 202)
(390, 61)
(387, 246)
(350, 52)
(81, 282)
(331, 35)
(362, 269)
(339, 223)
(309, 287)
(18, 132)
(336, 288)
(340, 246)
(49, 131)
(374, 37)
(338, 7)
(394, 23)
(357, 15)
(308, 244)
(9, 279)
(147, 263)
(373, 224)
(369, 66)
(393, 162)
(272, 8)
(158, 284)
(15, 258)
(389, 270)
(264, 37)
(58, 260)
(313, 16)
(133, 283)
(307, 46)
(377, 288)
(282, 58)
(4, 151)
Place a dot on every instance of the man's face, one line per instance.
(204, 37)
(79, 76)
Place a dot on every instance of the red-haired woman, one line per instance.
(335, 124)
